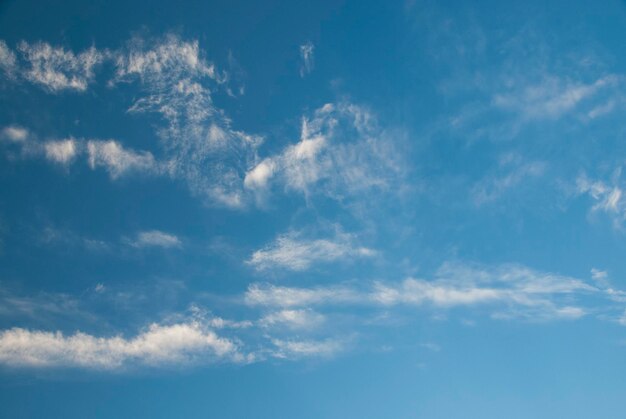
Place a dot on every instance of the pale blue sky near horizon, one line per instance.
(312, 209)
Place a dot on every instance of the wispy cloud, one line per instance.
(293, 319)
(551, 98)
(177, 82)
(306, 59)
(39, 307)
(527, 83)
(607, 197)
(295, 349)
(288, 328)
(202, 148)
(341, 152)
(280, 296)
(8, 60)
(294, 252)
(57, 69)
(508, 290)
(512, 172)
(156, 238)
(70, 240)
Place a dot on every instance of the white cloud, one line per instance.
(158, 345)
(62, 152)
(512, 173)
(306, 57)
(156, 238)
(43, 306)
(510, 290)
(294, 349)
(118, 161)
(277, 296)
(170, 58)
(15, 133)
(109, 154)
(177, 82)
(293, 319)
(259, 176)
(600, 277)
(551, 98)
(418, 292)
(201, 146)
(8, 61)
(603, 109)
(291, 251)
(341, 152)
(608, 198)
(57, 69)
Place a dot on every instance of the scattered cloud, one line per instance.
(177, 82)
(342, 150)
(288, 327)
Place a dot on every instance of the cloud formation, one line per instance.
(8, 60)
(293, 252)
(117, 160)
(15, 133)
(294, 349)
(508, 290)
(292, 319)
(156, 238)
(342, 152)
(306, 59)
(181, 343)
(176, 82)
(607, 198)
(197, 137)
(62, 152)
(109, 154)
(56, 69)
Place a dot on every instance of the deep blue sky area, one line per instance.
(330, 209)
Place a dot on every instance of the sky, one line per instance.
(330, 209)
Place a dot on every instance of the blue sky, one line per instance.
(312, 209)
